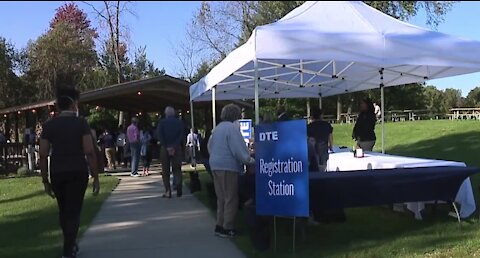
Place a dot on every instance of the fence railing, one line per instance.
(12, 156)
(412, 115)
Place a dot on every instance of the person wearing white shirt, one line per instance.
(378, 111)
(193, 145)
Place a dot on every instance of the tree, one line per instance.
(473, 97)
(202, 70)
(142, 68)
(404, 10)
(101, 118)
(434, 100)
(64, 55)
(190, 61)
(77, 20)
(110, 15)
(107, 62)
(12, 90)
(452, 98)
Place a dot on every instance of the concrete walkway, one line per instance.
(136, 222)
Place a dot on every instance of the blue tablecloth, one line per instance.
(335, 190)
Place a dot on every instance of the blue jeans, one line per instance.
(322, 154)
(135, 153)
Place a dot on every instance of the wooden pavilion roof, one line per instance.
(146, 95)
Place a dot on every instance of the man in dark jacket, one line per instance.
(171, 134)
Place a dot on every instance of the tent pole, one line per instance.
(214, 109)
(320, 102)
(382, 96)
(301, 86)
(383, 119)
(308, 110)
(257, 104)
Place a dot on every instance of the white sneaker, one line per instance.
(135, 175)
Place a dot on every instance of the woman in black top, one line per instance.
(364, 130)
(68, 140)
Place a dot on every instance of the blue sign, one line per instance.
(281, 157)
(246, 129)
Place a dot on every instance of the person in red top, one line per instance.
(133, 137)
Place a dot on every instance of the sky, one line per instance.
(161, 25)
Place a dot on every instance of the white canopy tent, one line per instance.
(328, 48)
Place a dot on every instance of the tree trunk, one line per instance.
(17, 137)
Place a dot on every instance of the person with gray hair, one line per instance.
(171, 134)
(228, 155)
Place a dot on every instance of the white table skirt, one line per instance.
(343, 160)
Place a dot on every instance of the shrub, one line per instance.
(23, 171)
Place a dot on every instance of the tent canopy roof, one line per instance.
(327, 48)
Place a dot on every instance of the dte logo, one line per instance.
(269, 136)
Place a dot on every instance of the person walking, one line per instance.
(108, 144)
(3, 146)
(171, 135)
(364, 130)
(193, 146)
(133, 136)
(29, 140)
(120, 142)
(378, 111)
(68, 138)
(320, 133)
(228, 155)
(145, 151)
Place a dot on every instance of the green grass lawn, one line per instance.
(378, 231)
(29, 221)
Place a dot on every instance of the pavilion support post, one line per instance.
(214, 108)
(320, 102)
(382, 96)
(17, 137)
(28, 119)
(8, 127)
(257, 104)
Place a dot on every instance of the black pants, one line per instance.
(120, 155)
(172, 164)
(69, 189)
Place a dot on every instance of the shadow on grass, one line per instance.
(35, 232)
(31, 234)
(463, 147)
(21, 198)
